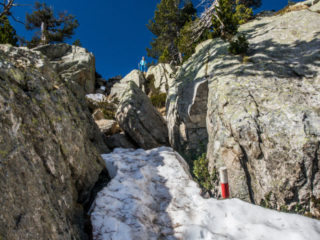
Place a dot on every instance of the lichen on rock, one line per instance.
(49, 150)
(262, 116)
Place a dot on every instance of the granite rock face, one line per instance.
(108, 126)
(187, 106)
(161, 76)
(49, 149)
(262, 112)
(119, 87)
(72, 64)
(140, 120)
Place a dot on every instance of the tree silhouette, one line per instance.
(52, 28)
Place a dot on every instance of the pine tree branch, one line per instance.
(16, 20)
(205, 21)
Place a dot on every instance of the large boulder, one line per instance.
(140, 120)
(111, 81)
(108, 126)
(49, 159)
(160, 77)
(72, 63)
(263, 115)
(119, 87)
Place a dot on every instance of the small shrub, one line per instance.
(159, 100)
(246, 60)
(239, 46)
(201, 172)
(77, 43)
(109, 114)
(284, 208)
(266, 201)
(150, 88)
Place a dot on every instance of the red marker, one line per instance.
(224, 182)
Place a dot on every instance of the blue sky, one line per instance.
(115, 31)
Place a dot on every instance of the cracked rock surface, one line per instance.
(140, 120)
(49, 159)
(262, 112)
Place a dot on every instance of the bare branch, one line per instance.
(16, 19)
(6, 7)
(205, 21)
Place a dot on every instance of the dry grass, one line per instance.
(291, 8)
(162, 111)
(246, 60)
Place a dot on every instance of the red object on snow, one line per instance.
(224, 183)
(225, 190)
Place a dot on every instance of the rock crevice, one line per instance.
(262, 112)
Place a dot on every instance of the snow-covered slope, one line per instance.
(152, 196)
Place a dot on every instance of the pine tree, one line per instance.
(169, 18)
(7, 32)
(225, 23)
(243, 13)
(229, 15)
(250, 3)
(185, 44)
(52, 29)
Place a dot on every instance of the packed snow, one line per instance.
(96, 97)
(152, 196)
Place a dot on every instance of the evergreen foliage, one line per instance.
(184, 44)
(77, 43)
(250, 3)
(55, 29)
(169, 19)
(239, 46)
(225, 23)
(7, 32)
(158, 100)
(243, 13)
(229, 15)
(165, 56)
(201, 173)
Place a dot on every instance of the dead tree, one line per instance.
(205, 20)
(5, 7)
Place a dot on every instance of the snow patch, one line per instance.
(152, 196)
(97, 97)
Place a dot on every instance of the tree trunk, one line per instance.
(180, 57)
(44, 39)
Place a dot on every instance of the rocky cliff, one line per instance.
(260, 113)
(49, 145)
